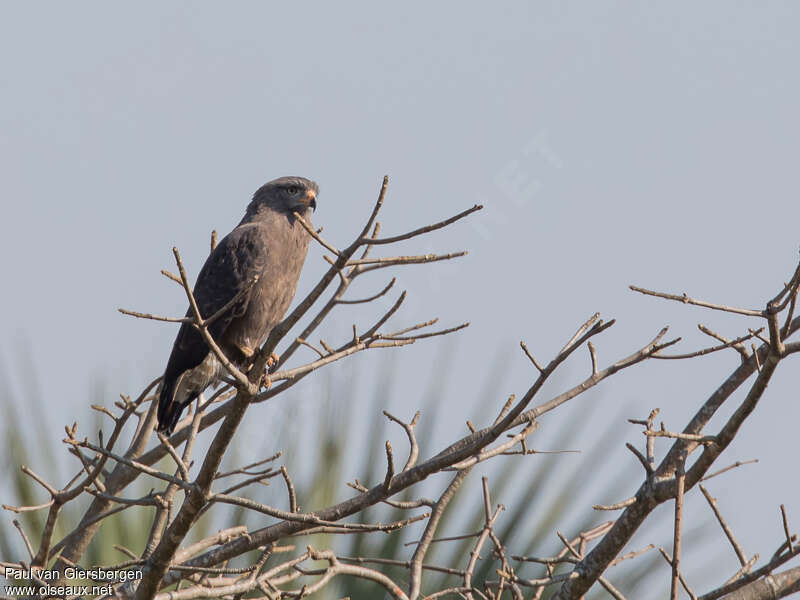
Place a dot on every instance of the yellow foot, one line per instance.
(266, 382)
(272, 360)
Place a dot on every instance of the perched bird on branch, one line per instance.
(256, 268)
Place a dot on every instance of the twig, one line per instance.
(306, 518)
(25, 538)
(152, 317)
(246, 470)
(581, 330)
(524, 347)
(687, 300)
(184, 471)
(738, 347)
(645, 463)
(413, 452)
(730, 344)
(22, 509)
(712, 502)
(303, 342)
(315, 235)
(489, 520)
(232, 302)
(742, 581)
(685, 585)
(691, 437)
(593, 355)
(370, 298)
(53, 491)
(785, 521)
(131, 463)
(400, 563)
(617, 506)
(601, 580)
(387, 480)
(171, 276)
(415, 582)
(743, 570)
(404, 260)
(289, 489)
(447, 538)
(630, 555)
(421, 230)
(504, 411)
(680, 476)
(738, 463)
(221, 537)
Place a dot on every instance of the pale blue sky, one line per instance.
(611, 142)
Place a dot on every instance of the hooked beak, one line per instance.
(311, 199)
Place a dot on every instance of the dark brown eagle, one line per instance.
(268, 243)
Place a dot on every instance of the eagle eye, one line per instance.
(293, 190)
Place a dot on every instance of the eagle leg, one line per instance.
(246, 351)
(273, 360)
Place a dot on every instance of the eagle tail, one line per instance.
(169, 408)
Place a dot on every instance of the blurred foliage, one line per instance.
(539, 491)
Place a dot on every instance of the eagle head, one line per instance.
(287, 195)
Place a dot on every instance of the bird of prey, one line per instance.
(270, 244)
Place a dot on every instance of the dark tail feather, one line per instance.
(169, 411)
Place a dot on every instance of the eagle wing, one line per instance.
(227, 272)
